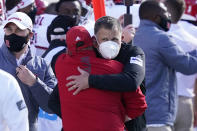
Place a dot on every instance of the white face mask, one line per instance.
(109, 49)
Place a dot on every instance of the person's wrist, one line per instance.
(90, 80)
(33, 81)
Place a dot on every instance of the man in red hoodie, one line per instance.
(92, 109)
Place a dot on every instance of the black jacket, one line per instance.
(131, 77)
(129, 80)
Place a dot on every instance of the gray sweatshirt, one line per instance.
(163, 58)
(37, 95)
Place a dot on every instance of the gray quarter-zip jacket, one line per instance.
(37, 95)
(163, 58)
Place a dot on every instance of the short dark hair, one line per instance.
(107, 22)
(149, 9)
(10, 4)
(176, 8)
(62, 1)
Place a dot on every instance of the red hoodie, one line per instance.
(93, 109)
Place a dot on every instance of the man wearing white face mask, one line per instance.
(108, 36)
(107, 108)
(107, 43)
(109, 49)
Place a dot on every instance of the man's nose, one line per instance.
(13, 32)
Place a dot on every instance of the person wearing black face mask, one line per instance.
(34, 76)
(165, 23)
(32, 14)
(15, 43)
(163, 57)
(30, 10)
(181, 31)
(72, 8)
(56, 36)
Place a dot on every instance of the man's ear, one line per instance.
(95, 44)
(30, 35)
(122, 37)
(157, 19)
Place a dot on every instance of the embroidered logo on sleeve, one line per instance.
(78, 38)
(21, 105)
(136, 60)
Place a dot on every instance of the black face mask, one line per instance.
(74, 18)
(32, 14)
(165, 23)
(15, 43)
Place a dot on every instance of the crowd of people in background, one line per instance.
(63, 70)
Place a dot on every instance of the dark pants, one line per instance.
(137, 124)
(33, 127)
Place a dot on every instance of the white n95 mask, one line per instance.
(109, 49)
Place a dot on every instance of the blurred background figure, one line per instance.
(190, 11)
(41, 6)
(181, 32)
(69, 15)
(189, 18)
(30, 7)
(73, 8)
(162, 55)
(56, 36)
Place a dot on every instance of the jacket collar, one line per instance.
(12, 58)
(149, 23)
